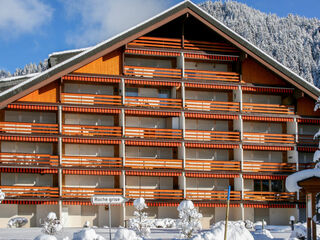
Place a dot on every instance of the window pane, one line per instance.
(265, 185)
(276, 186)
(132, 92)
(257, 185)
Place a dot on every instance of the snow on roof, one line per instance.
(293, 179)
(69, 51)
(18, 77)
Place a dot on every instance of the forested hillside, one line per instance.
(293, 40)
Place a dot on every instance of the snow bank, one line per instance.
(293, 179)
(126, 234)
(87, 234)
(263, 234)
(163, 223)
(45, 237)
(236, 231)
(300, 231)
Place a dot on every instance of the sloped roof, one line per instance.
(119, 40)
(6, 83)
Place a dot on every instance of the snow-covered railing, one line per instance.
(86, 130)
(28, 159)
(153, 133)
(30, 191)
(90, 99)
(28, 128)
(199, 135)
(202, 105)
(153, 163)
(91, 161)
(154, 193)
(269, 196)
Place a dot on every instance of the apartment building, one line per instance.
(179, 107)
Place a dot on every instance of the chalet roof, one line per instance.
(90, 54)
(8, 82)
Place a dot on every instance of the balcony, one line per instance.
(268, 138)
(251, 166)
(90, 99)
(28, 159)
(269, 196)
(212, 75)
(211, 106)
(78, 192)
(85, 130)
(153, 133)
(209, 165)
(198, 135)
(153, 102)
(28, 128)
(91, 162)
(152, 72)
(30, 192)
(154, 193)
(267, 108)
(153, 163)
(303, 166)
(305, 139)
(213, 195)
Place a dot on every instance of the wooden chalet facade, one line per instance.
(178, 107)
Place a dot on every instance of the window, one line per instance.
(268, 186)
(164, 93)
(132, 92)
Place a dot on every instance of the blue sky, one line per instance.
(32, 29)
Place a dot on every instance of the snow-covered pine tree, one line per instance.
(140, 223)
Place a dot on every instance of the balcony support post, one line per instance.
(123, 152)
(183, 95)
(240, 98)
(183, 155)
(60, 209)
(60, 119)
(183, 125)
(242, 211)
(123, 122)
(182, 65)
(123, 91)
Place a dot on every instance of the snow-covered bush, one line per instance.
(163, 223)
(51, 224)
(126, 234)
(236, 231)
(17, 222)
(189, 219)
(2, 195)
(87, 234)
(140, 222)
(248, 224)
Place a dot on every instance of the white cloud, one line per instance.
(22, 16)
(100, 19)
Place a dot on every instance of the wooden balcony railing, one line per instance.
(90, 99)
(175, 43)
(269, 196)
(303, 166)
(254, 166)
(28, 128)
(154, 193)
(30, 192)
(153, 133)
(210, 165)
(211, 106)
(153, 102)
(153, 163)
(199, 135)
(212, 76)
(268, 138)
(267, 108)
(78, 192)
(28, 159)
(91, 162)
(152, 72)
(307, 139)
(85, 130)
(212, 195)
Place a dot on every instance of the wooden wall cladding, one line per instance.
(305, 106)
(254, 72)
(47, 94)
(109, 64)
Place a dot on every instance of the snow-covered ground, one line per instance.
(278, 232)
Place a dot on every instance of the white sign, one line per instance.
(108, 199)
